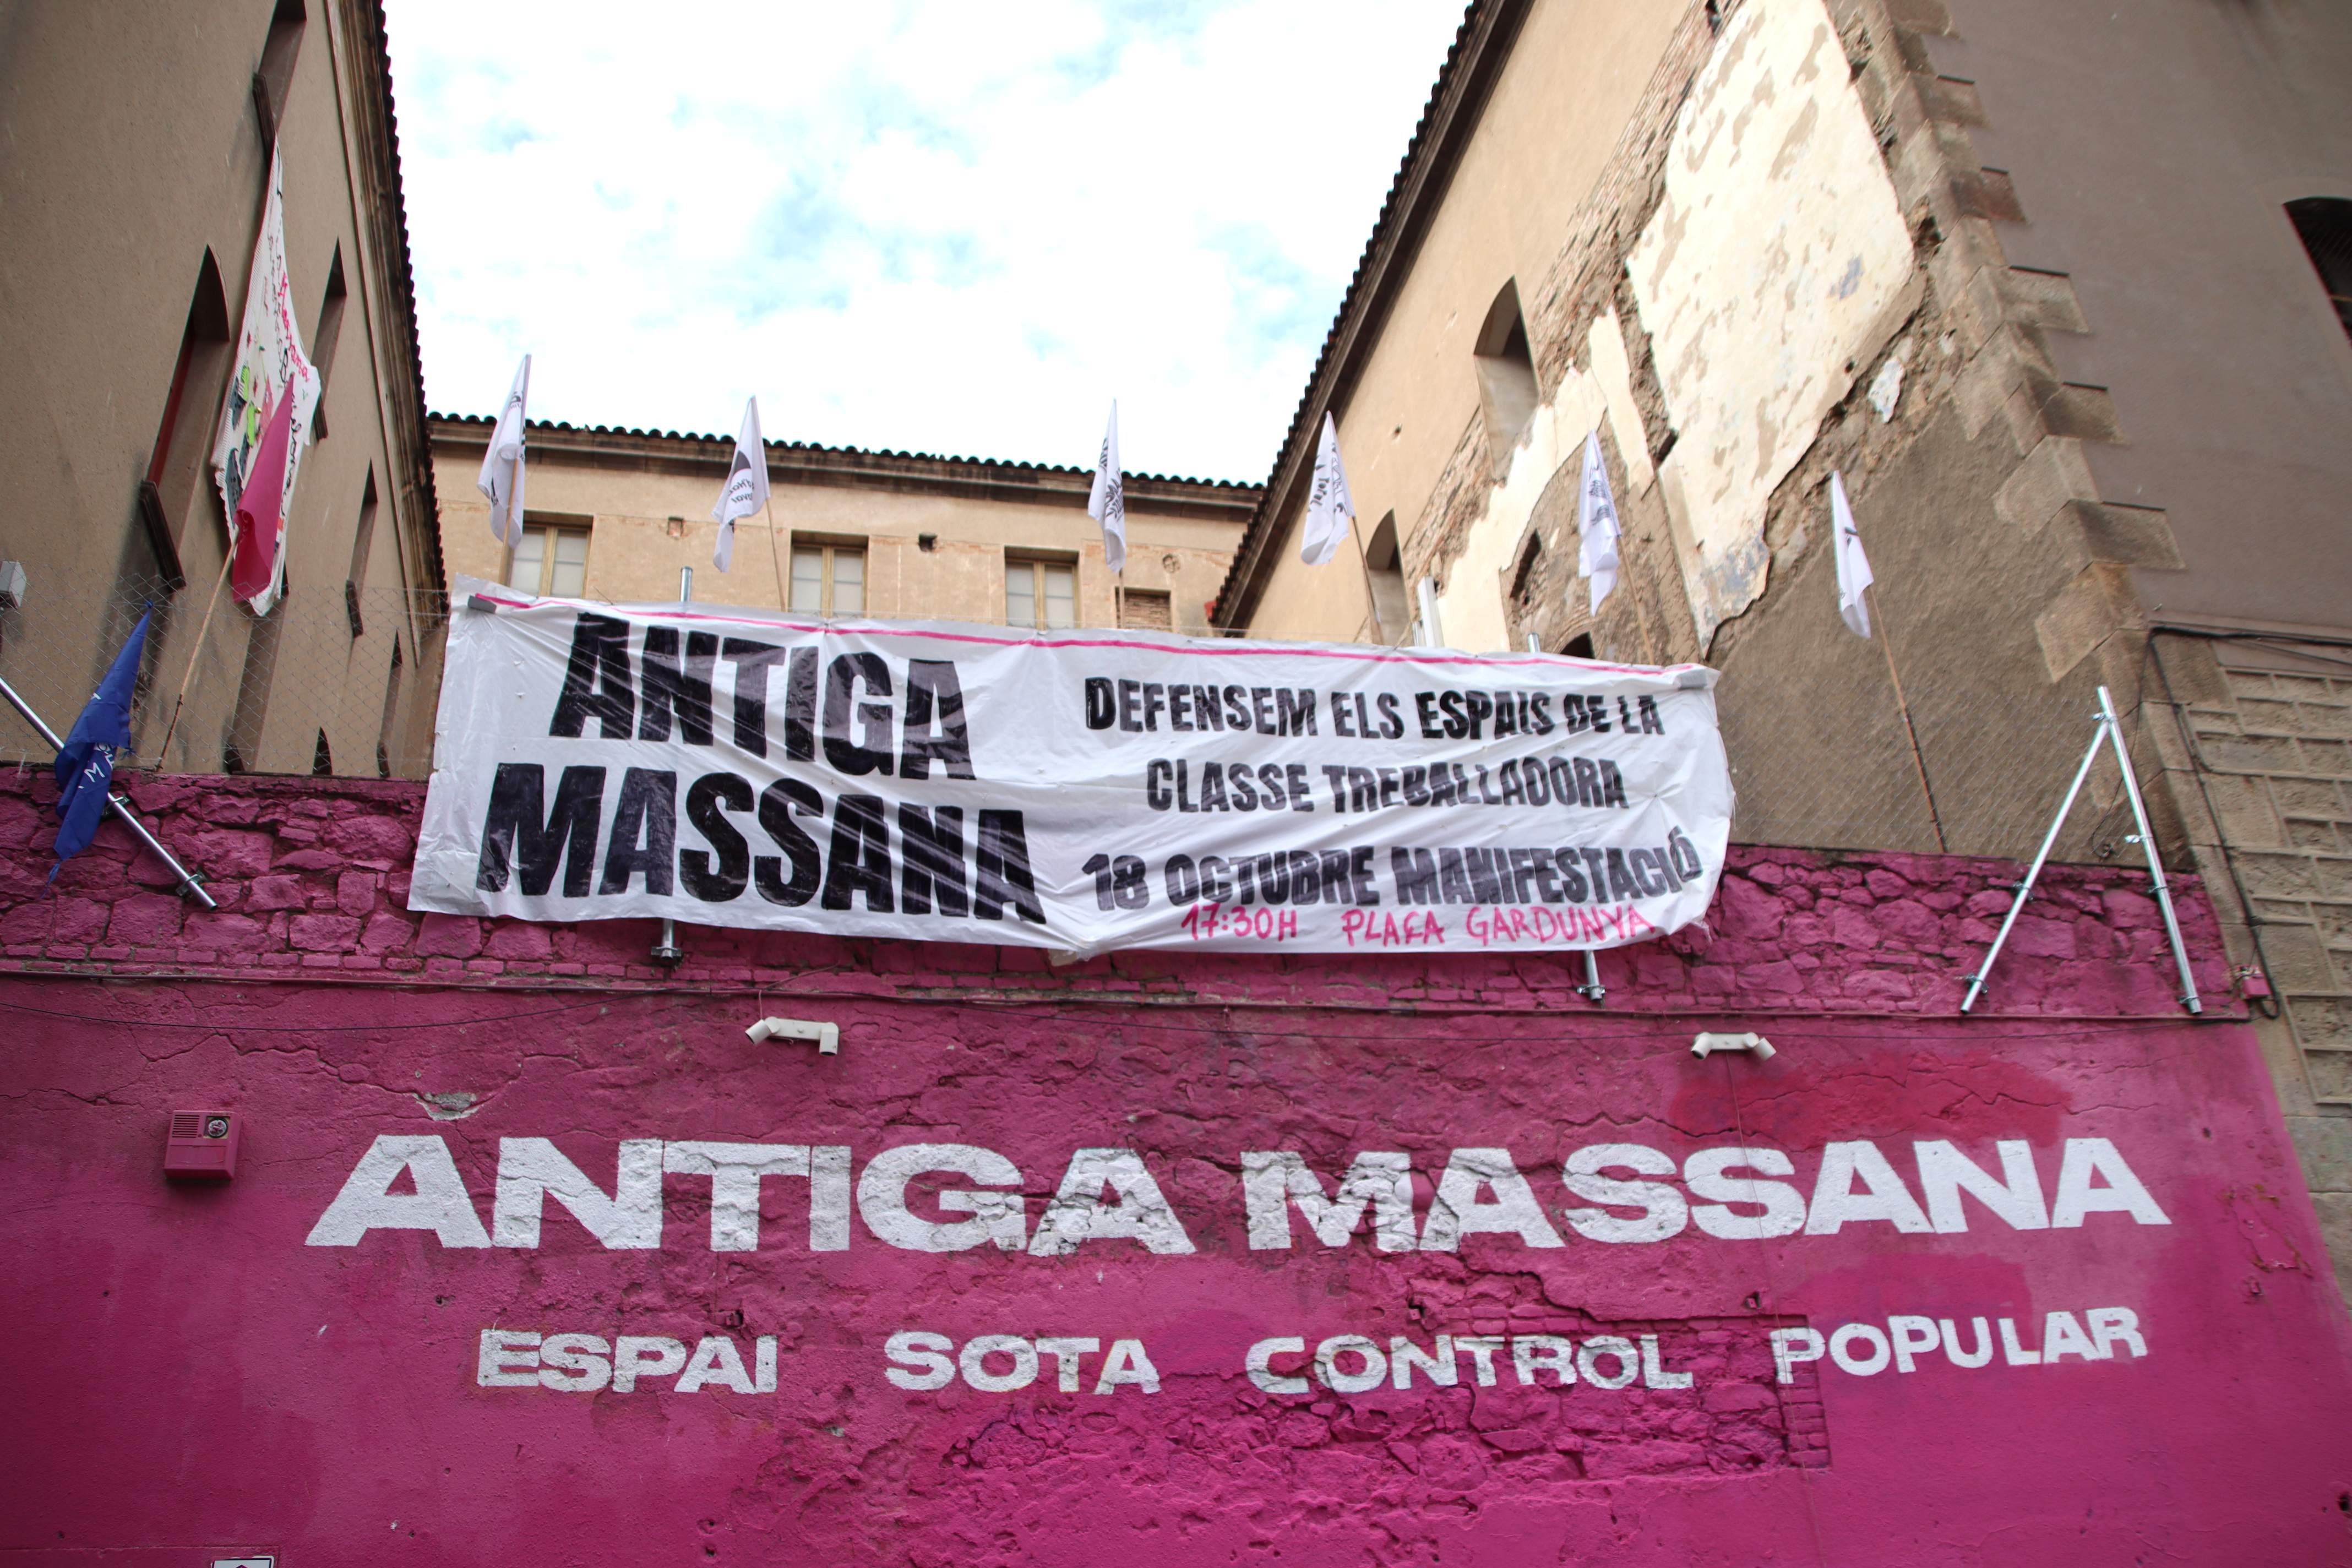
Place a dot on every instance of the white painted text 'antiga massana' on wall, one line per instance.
(1619, 1192)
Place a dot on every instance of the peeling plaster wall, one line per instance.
(251, 1393)
(1767, 277)
(2013, 488)
(1473, 605)
(1470, 608)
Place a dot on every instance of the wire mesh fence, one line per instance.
(344, 683)
(1972, 779)
(1849, 769)
(340, 683)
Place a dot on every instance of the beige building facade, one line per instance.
(132, 179)
(2077, 346)
(616, 515)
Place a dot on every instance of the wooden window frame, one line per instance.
(552, 529)
(1034, 563)
(828, 551)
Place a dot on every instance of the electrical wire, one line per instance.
(1650, 1025)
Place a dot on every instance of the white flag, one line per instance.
(1852, 565)
(1596, 523)
(1107, 502)
(747, 484)
(1330, 510)
(502, 476)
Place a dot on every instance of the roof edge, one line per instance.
(813, 462)
(365, 26)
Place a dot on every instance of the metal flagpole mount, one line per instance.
(190, 884)
(2107, 731)
(1593, 991)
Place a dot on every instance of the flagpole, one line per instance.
(1918, 761)
(226, 562)
(1364, 561)
(190, 885)
(775, 558)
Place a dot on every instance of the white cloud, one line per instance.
(915, 225)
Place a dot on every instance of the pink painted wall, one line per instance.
(193, 1378)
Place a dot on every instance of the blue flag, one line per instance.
(86, 761)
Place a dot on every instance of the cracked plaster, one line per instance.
(308, 1396)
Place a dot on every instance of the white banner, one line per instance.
(1074, 790)
(269, 363)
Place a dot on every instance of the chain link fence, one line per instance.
(342, 683)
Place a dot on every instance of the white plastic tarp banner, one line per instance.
(270, 364)
(1079, 790)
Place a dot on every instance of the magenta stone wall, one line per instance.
(312, 879)
(195, 1378)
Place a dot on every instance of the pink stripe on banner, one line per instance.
(1276, 651)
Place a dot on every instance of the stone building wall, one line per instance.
(2021, 564)
(1999, 565)
(134, 175)
(938, 535)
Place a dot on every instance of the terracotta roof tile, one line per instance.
(1237, 489)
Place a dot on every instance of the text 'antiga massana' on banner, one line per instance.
(1081, 791)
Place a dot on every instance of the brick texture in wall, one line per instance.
(2273, 761)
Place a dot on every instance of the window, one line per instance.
(2325, 222)
(829, 579)
(1146, 609)
(1579, 646)
(1506, 377)
(274, 77)
(389, 725)
(1530, 557)
(322, 342)
(176, 461)
(1428, 627)
(551, 560)
(1384, 576)
(1041, 594)
(363, 538)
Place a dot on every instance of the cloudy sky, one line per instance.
(927, 225)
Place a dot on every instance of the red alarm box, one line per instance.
(202, 1146)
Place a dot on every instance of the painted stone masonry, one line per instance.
(1385, 1258)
